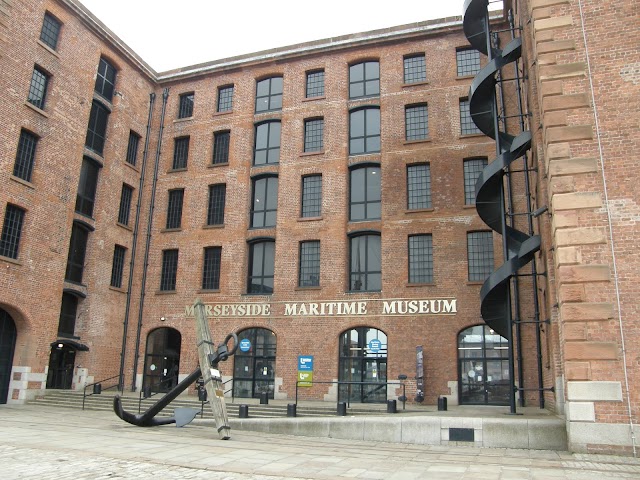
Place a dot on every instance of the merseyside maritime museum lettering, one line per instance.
(395, 307)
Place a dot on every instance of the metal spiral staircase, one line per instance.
(519, 247)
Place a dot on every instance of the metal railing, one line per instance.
(98, 388)
(379, 386)
(145, 391)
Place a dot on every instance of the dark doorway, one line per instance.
(363, 358)
(254, 366)
(8, 335)
(162, 360)
(61, 362)
(483, 367)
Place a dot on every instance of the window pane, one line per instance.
(309, 275)
(174, 209)
(480, 255)
(105, 79)
(261, 267)
(364, 79)
(169, 270)
(221, 147)
(38, 88)
(125, 204)
(418, 186)
(217, 198)
(420, 259)
(11, 231)
(415, 69)
(211, 270)
(180, 153)
(97, 128)
(315, 84)
(132, 148)
(225, 99)
(416, 122)
(76, 255)
(185, 109)
(365, 193)
(50, 31)
(468, 61)
(311, 196)
(313, 133)
(267, 147)
(87, 187)
(467, 125)
(365, 263)
(117, 267)
(25, 156)
(472, 170)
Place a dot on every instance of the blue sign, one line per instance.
(305, 363)
(245, 345)
(375, 345)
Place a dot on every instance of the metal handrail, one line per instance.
(120, 386)
(339, 382)
(142, 396)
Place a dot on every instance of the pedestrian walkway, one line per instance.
(47, 443)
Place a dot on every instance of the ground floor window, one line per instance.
(8, 335)
(254, 368)
(363, 366)
(162, 360)
(483, 367)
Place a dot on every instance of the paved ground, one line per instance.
(47, 443)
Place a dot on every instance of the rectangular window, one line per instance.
(38, 88)
(467, 61)
(97, 128)
(221, 147)
(313, 135)
(364, 131)
(267, 146)
(225, 98)
(418, 186)
(11, 231)
(269, 94)
(174, 209)
(364, 194)
(467, 126)
(265, 202)
(479, 255)
(420, 259)
(105, 79)
(125, 204)
(132, 148)
(315, 84)
(364, 79)
(217, 199)
(211, 268)
(117, 268)
(311, 196)
(87, 187)
(366, 263)
(25, 156)
(180, 153)
(472, 170)
(261, 267)
(416, 121)
(50, 31)
(68, 312)
(77, 253)
(185, 109)
(415, 69)
(309, 275)
(169, 270)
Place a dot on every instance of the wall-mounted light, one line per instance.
(162, 319)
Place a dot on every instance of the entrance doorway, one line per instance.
(363, 360)
(162, 360)
(8, 334)
(61, 362)
(483, 367)
(254, 365)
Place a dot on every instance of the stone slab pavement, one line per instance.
(48, 443)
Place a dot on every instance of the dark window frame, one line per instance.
(265, 274)
(371, 135)
(180, 153)
(309, 263)
(467, 125)
(414, 68)
(169, 270)
(25, 155)
(225, 98)
(50, 31)
(416, 121)
(117, 266)
(368, 279)
(271, 100)
(97, 128)
(480, 255)
(269, 149)
(12, 226)
(124, 211)
(175, 202)
(211, 266)
(186, 104)
(221, 144)
(87, 186)
(77, 252)
(314, 85)
(314, 134)
(420, 258)
(311, 201)
(38, 87)
(216, 204)
(371, 204)
(471, 172)
(266, 213)
(106, 79)
(467, 62)
(132, 148)
(366, 79)
(419, 186)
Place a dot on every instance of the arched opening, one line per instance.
(8, 334)
(162, 360)
(483, 367)
(363, 363)
(254, 366)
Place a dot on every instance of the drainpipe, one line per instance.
(132, 262)
(145, 265)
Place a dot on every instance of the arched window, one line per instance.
(364, 131)
(254, 368)
(162, 360)
(363, 365)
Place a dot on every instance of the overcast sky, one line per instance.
(169, 34)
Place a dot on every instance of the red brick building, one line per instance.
(320, 200)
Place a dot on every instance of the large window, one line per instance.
(420, 259)
(261, 267)
(364, 80)
(117, 267)
(365, 264)
(169, 270)
(364, 131)
(311, 196)
(416, 121)
(479, 255)
(180, 153)
(363, 366)
(265, 202)
(25, 156)
(132, 148)
(309, 273)
(313, 133)
(77, 252)
(472, 170)
(364, 201)
(38, 87)
(315, 84)
(217, 198)
(87, 187)
(254, 370)
(225, 98)
(467, 61)
(185, 106)
(50, 31)
(418, 186)
(174, 208)
(269, 94)
(221, 147)
(11, 231)
(267, 146)
(105, 79)
(68, 313)
(415, 69)
(97, 128)
(211, 268)
(467, 125)
(125, 204)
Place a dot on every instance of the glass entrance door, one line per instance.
(363, 366)
(254, 365)
(162, 360)
(61, 362)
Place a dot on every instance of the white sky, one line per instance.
(169, 34)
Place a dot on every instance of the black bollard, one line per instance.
(243, 411)
(392, 406)
(442, 404)
(291, 410)
(264, 398)
(342, 409)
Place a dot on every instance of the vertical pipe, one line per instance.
(145, 264)
(134, 243)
